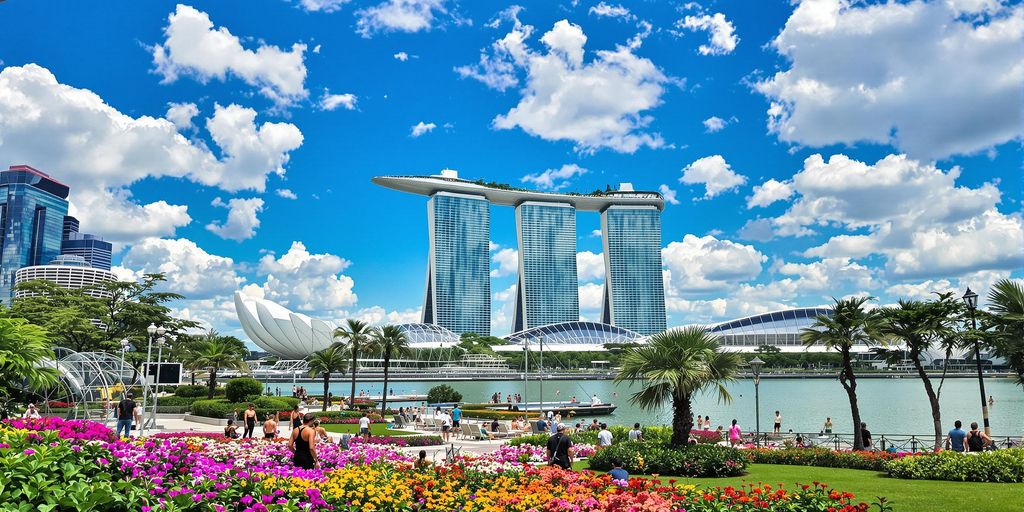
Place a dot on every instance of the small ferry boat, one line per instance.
(563, 408)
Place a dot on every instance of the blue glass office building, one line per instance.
(32, 210)
(458, 294)
(547, 291)
(634, 294)
(96, 251)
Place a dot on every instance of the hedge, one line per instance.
(1001, 466)
(823, 457)
(241, 389)
(190, 391)
(176, 401)
(220, 408)
(646, 458)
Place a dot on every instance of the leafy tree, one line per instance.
(921, 327)
(214, 352)
(354, 335)
(65, 313)
(389, 341)
(850, 324)
(332, 359)
(24, 349)
(1006, 317)
(675, 365)
(443, 393)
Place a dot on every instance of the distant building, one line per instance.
(95, 250)
(32, 210)
(634, 290)
(547, 291)
(67, 271)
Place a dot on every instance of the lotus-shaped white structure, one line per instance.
(279, 331)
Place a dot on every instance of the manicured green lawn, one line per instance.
(905, 495)
(377, 429)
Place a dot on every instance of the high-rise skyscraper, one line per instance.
(458, 269)
(634, 293)
(32, 210)
(95, 250)
(547, 291)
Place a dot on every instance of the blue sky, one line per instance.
(810, 150)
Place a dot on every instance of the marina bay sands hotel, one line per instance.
(458, 288)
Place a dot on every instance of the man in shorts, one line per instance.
(560, 449)
(364, 427)
(446, 426)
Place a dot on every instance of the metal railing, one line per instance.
(913, 443)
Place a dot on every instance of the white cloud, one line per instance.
(181, 114)
(769, 192)
(668, 193)
(322, 5)
(714, 124)
(286, 193)
(316, 49)
(758, 229)
(507, 261)
(332, 101)
(722, 39)
(911, 213)
(304, 281)
(922, 290)
(555, 179)
(242, 219)
(189, 269)
(400, 16)
(596, 104)
(504, 307)
(714, 173)
(193, 47)
(376, 315)
(420, 128)
(611, 11)
(590, 266)
(98, 151)
(932, 78)
(596, 232)
(702, 264)
(591, 296)
(402, 56)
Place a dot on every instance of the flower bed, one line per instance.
(998, 466)
(78, 430)
(656, 458)
(400, 440)
(186, 472)
(875, 461)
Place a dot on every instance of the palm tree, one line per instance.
(1006, 315)
(24, 351)
(921, 327)
(355, 336)
(388, 341)
(213, 352)
(675, 365)
(325, 362)
(849, 325)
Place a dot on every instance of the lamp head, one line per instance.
(151, 329)
(970, 299)
(755, 364)
(160, 331)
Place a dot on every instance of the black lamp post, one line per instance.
(755, 366)
(971, 300)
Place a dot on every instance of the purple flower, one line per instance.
(29, 451)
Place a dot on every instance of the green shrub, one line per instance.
(240, 389)
(646, 458)
(822, 457)
(177, 401)
(190, 391)
(216, 408)
(443, 394)
(999, 466)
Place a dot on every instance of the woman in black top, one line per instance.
(303, 444)
(296, 418)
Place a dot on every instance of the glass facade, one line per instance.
(547, 290)
(778, 328)
(634, 294)
(458, 271)
(562, 335)
(95, 250)
(32, 211)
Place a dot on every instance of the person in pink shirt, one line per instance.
(735, 435)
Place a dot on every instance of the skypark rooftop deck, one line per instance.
(510, 196)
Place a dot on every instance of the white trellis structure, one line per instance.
(90, 383)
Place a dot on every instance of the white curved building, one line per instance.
(67, 271)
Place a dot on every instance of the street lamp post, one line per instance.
(159, 362)
(755, 366)
(151, 330)
(971, 300)
(526, 378)
(541, 339)
(120, 371)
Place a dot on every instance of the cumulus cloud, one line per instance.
(913, 214)
(98, 151)
(286, 193)
(181, 114)
(921, 290)
(770, 192)
(591, 296)
(714, 173)
(420, 128)
(304, 281)
(600, 103)
(242, 219)
(401, 16)
(332, 101)
(932, 78)
(668, 193)
(589, 266)
(376, 315)
(402, 56)
(190, 270)
(555, 179)
(193, 47)
(507, 261)
(611, 11)
(322, 5)
(722, 37)
(701, 264)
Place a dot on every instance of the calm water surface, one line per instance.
(887, 405)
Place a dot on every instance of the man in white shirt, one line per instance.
(364, 426)
(446, 425)
(595, 400)
(604, 437)
(636, 434)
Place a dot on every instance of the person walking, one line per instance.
(249, 418)
(955, 438)
(865, 436)
(270, 427)
(735, 434)
(296, 418)
(303, 444)
(456, 418)
(636, 434)
(446, 426)
(560, 449)
(778, 423)
(604, 437)
(828, 425)
(976, 439)
(364, 426)
(126, 412)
